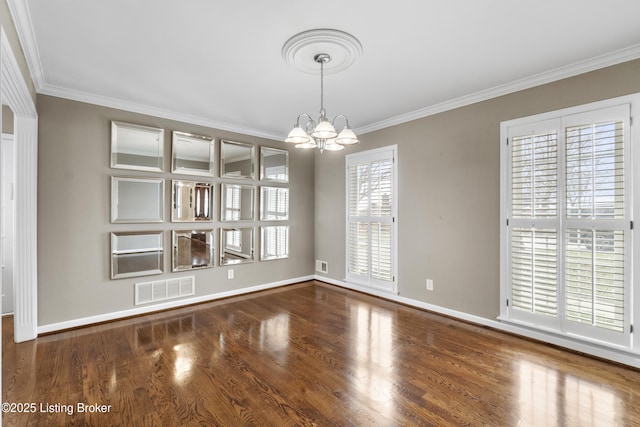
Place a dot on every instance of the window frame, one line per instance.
(562, 326)
(388, 152)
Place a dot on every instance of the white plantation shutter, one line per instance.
(274, 203)
(381, 266)
(534, 242)
(232, 203)
(275, 241)
(595, 278)
(359, 248)
(371, 218)
(535, 175)
(233, 239)
(597, 223)
(569, 228)
(534, 269)
(595, 170)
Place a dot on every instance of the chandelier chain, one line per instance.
(322, 87)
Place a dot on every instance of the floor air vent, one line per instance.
(162, 290)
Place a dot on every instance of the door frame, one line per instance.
(15, 94)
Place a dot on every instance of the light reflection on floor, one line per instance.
(547, 398)
(274, 336)
(183, 363)
(372, 332)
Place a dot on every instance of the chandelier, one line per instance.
(321, 133)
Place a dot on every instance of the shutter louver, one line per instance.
(534, 270)
(534, 176)
(595, 171)
(595, 278)
(595, 257)
(381, 188)
(358, 190)
(534, 202)
(359, 248)
(381, 251)
(275, 242)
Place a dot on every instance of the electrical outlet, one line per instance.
(429, 284)
(230, 274)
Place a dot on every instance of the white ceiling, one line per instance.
(219, 63)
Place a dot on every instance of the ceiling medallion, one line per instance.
(343, 48)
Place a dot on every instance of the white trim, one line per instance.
(626, 357)
(22, 19)
(15, 94)
(26, 225)
(560, 324)
(106, 317)
(619, 356)
(23, 22)
(105, 101)
(632, 99)
(612, 58)
(381, 153)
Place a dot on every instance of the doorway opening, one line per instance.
(7, 205)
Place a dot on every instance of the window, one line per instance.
(567, 199)
(275, 242)
(232, 202)
(274, 204)
(371, 218)
(233, 240)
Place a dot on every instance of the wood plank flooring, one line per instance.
(307, 354)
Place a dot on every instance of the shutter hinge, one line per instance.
(632, 225)
(507, 222)
(631, 121)
(630, 329)
(507, 141)
(507, 302)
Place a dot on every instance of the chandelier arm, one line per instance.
(346, 119)
(301, 115)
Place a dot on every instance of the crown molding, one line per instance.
(616, 57)
(22, 20)
(132, 107)
(15, 92)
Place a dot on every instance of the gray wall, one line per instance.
(448, 201)
(74, 214)
(449, 190)
(7, 120)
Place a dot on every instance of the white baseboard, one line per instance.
(615, 355)
(623, 356)
(106, 317)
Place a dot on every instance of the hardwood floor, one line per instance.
(307, 354)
